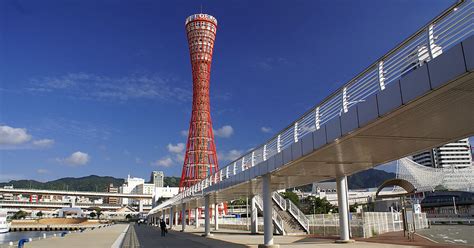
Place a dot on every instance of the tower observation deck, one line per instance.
(200, 159)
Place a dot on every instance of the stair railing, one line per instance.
(280, 201)
(298, 215)
(275, 216)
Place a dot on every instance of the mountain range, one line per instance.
(365, 179)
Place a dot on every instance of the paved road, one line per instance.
(150, 237)
(450, 234)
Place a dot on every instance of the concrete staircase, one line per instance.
(291, 225)
(284, 220)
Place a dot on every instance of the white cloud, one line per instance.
(224, 132)
(42, 171)
(229, 156)
(76, 159)
(266, 129)
(13, 136)
(163, 162)
(138, 160)
(98, 87)
(178, 148)
(43, 143)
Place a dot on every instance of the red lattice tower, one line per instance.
(200, 159)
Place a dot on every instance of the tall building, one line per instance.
(157, 178)
(457, 154)
(130, 187)
(200, 158)
(112, 200)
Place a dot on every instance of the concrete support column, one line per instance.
(176, 216)
(267, 213)
(341, 183)
(183, 216)
(207, 217)
(254, 216)
(189, 216)
(171, 217)
(196, 218)
(140, 206)
(216, 216)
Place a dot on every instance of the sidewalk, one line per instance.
(103, 237)
(248, 240)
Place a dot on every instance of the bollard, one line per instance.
(11, 243)
(22, 242)
(44, 235)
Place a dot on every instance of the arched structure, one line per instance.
(404, 184)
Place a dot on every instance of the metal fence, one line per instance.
(448, 29)
(367, 224)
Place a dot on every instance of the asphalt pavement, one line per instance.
(450, 234)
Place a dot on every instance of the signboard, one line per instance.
(417, 208)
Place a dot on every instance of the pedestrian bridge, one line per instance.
(417, 96)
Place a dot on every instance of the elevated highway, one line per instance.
(73, 193)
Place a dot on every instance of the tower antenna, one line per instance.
(201, 8)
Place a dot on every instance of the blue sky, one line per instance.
(104, 87)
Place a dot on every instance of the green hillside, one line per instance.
(88, 183)
(365, 179)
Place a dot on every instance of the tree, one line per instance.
(19, 215)
(292, 196)
(39, 214)
(97, 210)
(240, 201)
(319, 205)
(92, 214)
(353, 207)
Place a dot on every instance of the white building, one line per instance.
(146, 189)
(130, 187)
(165, 192)
(157, 178)
(457, 154)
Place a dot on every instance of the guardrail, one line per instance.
(299, 216)
(280, 201)
(448, 29)
(275, 216)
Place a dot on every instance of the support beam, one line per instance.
(267, 213)
(207, 218)
(183, 216)
(140, 206)
(196, 217)
(189, 216)
(171, 217)
(341, 183)
(216, 217)
(175, 216)
(254, 216)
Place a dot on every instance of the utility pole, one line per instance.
(454, 204)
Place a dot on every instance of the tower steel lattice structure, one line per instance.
(200, 159)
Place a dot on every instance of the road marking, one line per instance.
(120, 238)
(434, 241)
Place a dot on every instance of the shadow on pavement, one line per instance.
(151, 237)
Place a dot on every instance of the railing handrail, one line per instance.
(280, 201)
(299, 216)
(418, 48)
